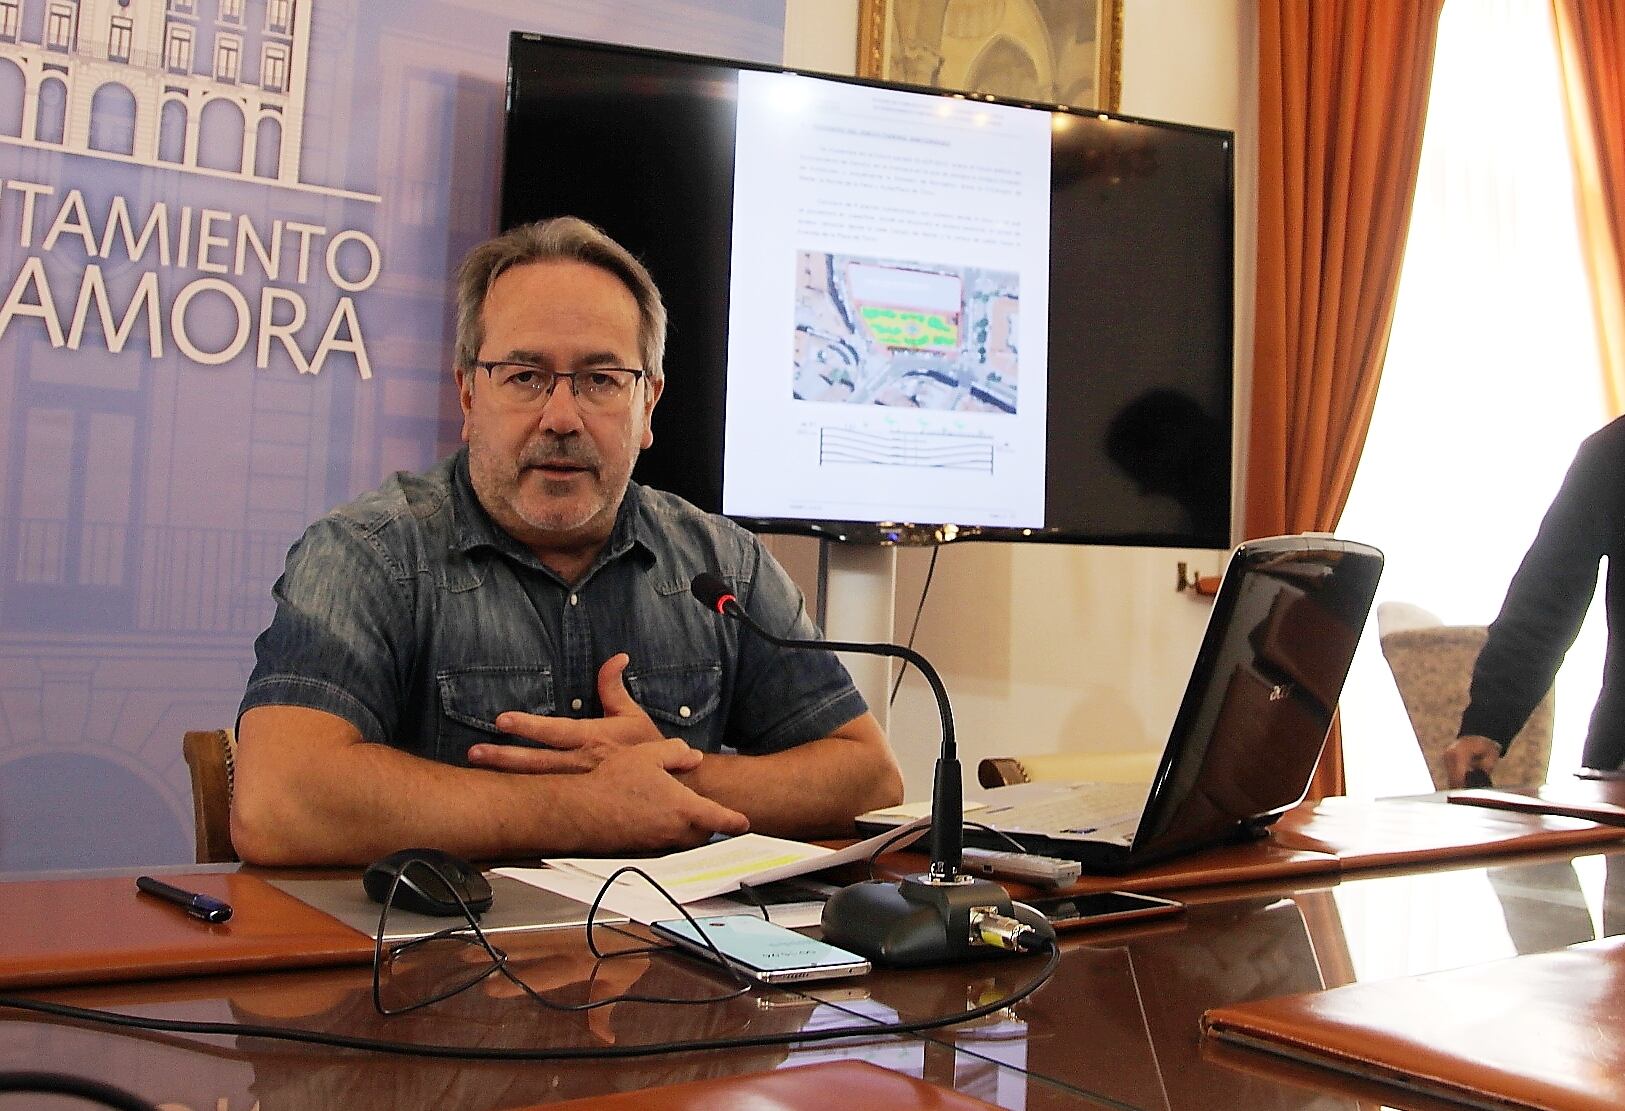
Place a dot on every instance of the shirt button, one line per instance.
(574, 600)
(575, 703)
(684, 711)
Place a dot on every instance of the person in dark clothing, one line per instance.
(1541, 616)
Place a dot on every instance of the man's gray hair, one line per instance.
(562, 238)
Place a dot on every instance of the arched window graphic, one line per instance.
(268, 147)
(112, 119)
(220, 136)
(53, 111)
(172, 132)
(12, 87)
(52, 794)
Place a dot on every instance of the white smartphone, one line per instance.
(1102, 908)
(763, 950)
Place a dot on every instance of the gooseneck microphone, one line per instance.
(947, 799)
(943, 914)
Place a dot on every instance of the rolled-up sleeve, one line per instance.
(342, 619)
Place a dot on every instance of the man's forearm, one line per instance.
(815, 789)
(362, 801)
(309, 792)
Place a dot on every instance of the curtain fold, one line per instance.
(1591, 54)
(1342, 97)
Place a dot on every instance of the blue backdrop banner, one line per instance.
(226, 234)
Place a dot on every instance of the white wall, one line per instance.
(1181, 61)
(1049, 648)
(821, 35)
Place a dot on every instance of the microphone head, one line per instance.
(711, 589)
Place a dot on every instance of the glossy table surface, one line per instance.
(1119, 1020)
(1117, 1025)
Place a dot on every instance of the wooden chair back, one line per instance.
(211, 757)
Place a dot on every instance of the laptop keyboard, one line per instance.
(1098, 811)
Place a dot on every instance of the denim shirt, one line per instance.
(410, 614)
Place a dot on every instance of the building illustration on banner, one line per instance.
(164, 221)
(215, 87)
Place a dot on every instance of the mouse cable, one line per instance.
(121, 1022)
(383, 956)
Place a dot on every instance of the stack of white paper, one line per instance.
(695, 876)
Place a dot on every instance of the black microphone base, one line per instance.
(916, 921)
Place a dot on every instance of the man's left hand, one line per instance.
(572, 744)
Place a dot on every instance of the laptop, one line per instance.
(1249, 730)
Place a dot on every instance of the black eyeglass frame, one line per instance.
(490, 365)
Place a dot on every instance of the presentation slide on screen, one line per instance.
(887, 307)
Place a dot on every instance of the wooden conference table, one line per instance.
(1116, 1027)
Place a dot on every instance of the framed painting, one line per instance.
(1051, 51)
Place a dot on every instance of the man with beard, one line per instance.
(500, 657)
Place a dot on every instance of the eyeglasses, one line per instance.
(526, 386)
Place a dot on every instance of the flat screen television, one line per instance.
(903, 315)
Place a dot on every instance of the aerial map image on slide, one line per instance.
(907, 334)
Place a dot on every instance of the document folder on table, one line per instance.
(1383, 833)
(1546, 1030)
(98, 930)
(1576, 800)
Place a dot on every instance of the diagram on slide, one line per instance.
(892, 448)
(905, 334)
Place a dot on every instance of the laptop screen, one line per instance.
(1265, 683)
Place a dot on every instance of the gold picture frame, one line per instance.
(1050, 51)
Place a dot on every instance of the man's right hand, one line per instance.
(1467, 753)
(632, 800)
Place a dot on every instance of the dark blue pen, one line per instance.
(206, 907)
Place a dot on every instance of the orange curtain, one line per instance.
(1591, 51)
(1342, 95)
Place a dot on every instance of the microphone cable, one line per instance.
(886, 846)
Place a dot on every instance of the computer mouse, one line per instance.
(430, 881)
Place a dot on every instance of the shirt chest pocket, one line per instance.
(682, 699)
(472, 697)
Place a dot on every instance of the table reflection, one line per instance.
(1409, 924)
(244, 1070)
(1119, 1020)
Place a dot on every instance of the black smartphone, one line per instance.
(1100, 908)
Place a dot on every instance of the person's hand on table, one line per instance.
(1467, 754)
